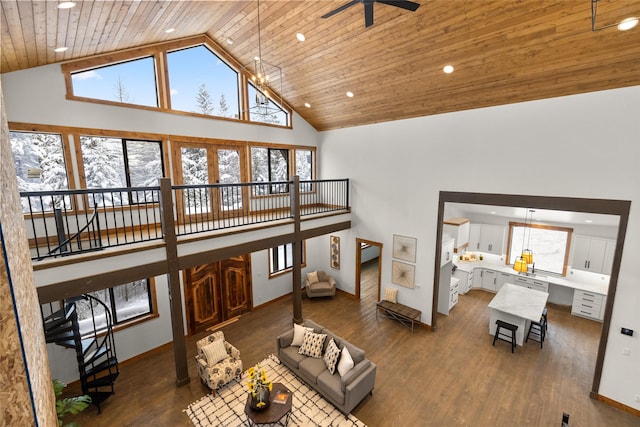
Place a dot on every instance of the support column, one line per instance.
(296, 247)
(173, 276)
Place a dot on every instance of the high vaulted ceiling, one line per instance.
(503, 51)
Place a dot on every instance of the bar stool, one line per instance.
(546, 320)
(537, 331)
(502, 336)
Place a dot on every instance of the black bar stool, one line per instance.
(502, 336)
(537, 330)
(546, 320)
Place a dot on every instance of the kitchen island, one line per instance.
(517, 305)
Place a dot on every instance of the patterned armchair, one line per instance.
(222, 371)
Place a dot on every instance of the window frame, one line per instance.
(567, 252)
(159, 54)
(285, 270)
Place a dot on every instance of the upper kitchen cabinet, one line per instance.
(487, 238)
(447, 251)
(593, 254)
(459, 229)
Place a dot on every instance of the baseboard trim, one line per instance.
(616, 404)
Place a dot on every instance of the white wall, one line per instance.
(581, 146)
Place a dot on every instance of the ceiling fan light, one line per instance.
(627, 23)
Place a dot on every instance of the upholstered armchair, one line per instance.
(319, 284)
(218, 361)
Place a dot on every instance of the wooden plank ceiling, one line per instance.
(503, 51)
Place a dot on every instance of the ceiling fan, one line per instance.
(368, 8)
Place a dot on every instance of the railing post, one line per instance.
(296, 247)
(173, 275)
(62, 236)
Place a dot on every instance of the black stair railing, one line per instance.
(94, 345)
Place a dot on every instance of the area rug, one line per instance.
(308, 407)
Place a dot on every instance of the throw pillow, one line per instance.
(391, 295)
(346, 362)
(331, 356)
(215, 352)
(312, 344)
(298, 334)
(313, 277)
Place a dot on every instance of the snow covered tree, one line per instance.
(203, 100)
(104, 167)
(120, 91)
(223, 108)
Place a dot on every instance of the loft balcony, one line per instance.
(108, 235)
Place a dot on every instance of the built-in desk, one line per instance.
(517, 305)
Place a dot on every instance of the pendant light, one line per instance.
(527, 254)
(521, 265)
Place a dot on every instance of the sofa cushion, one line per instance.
(215, 352)
(346, 362)
(311, 368)
(357, 354)
(290, 356)
(312, 344)
(298, 334)
(311, 324)
(331, 386)
(320, 287)
(331, 355)
(313, 277)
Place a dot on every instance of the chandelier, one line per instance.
(263, 77)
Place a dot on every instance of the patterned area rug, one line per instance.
(308, 407)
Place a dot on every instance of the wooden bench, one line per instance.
(400, 312)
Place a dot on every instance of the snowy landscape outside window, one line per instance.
(270, 165)
(118, 163)
(127, 302)
(304, 168)
(195, 171)
(549, 245)
(210, 87)
(131, 82)
(40, 166)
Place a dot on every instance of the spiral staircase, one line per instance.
(94, 348)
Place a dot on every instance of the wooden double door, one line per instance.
(217, 292)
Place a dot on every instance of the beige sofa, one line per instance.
(324, 286)
(344, 390)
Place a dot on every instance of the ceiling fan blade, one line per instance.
(340, 9)
(368, 14)
(408, 5)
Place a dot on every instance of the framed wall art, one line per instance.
(334, 251)
(403, 274)
(404, 248)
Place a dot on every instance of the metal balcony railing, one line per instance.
(66, 222)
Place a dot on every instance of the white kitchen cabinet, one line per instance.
(489, 280)
(466, 280)
(453, 292)
(447, 252)
(503, 278)
(459, 229)
(531, 283)
(487, 238)
(477, 277)
(593, 254)
(588, 304)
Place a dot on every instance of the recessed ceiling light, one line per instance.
(350, 94)
(66, 5)
(588, 220)
(170, 30)
(229, 40)
(60, 49)
(493, 213)
(628, 24)
(448, 69)
(300, 37)
(306, 104)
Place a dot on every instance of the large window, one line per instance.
(304, 168)
(281, 258)
(126, 303)
(131, 82)
(202, 83)
(40, 166)
(270, 165)
(549, 245)
(118, 163)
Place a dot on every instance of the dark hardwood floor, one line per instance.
(451, 377)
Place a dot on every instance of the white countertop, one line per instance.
(520, 301)
(585, 282)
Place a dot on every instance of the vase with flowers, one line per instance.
(259, 388)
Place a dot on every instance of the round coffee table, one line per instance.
(274, 412)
